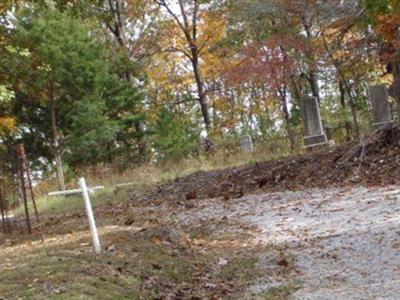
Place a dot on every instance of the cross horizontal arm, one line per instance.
(74, 191)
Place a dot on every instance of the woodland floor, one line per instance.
(347, 165)
(320, 226)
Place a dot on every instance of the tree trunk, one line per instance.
(3, 214)
(139, 127)
(347, 125)
(345, 86)
(312, 76)
(189, 27)
(396, 85)
(353, 107)
(56, 150)
(266, 113)
(300, 98)
(200, 87)
(395, 70)
(214, 115)
(314, 85)
(118, 29)
(286, 117)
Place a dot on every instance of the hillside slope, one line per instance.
(375, 161)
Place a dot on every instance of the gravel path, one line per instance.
(346, 242)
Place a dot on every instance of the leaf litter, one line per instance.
(235, 233)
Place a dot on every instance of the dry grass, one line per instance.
(148, 175)
(144, 178)
(143, 260)
(137, 265)
(50, 205)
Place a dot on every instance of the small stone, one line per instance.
(222, 262)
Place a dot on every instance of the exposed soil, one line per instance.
(375, 161)
(343, 242)
(150, 251)
(325, 239)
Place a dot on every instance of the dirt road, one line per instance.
(339, 243)
(345, 242)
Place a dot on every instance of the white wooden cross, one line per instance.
(84, 190)
(89, 212)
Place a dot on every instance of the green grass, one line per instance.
(145, 178)
(58, 270)
(241, 269)
(282, 292)
(148, 175)
(47, 204)
(140, 266)
(148, 268)
(42, 273)
(64, 267)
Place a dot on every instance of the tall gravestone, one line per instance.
(246, 143)
(380, 106)
(314, 135)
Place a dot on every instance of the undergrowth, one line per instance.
(144, 176)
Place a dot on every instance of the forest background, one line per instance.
(121, 84)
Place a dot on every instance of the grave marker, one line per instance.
(85, 191)
(246, 143)
(380, 106)
(89, 212)
(314, 134)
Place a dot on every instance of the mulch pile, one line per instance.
(375, 161)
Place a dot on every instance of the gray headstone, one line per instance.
(380, 106)
(314, 130)
(246, 143)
